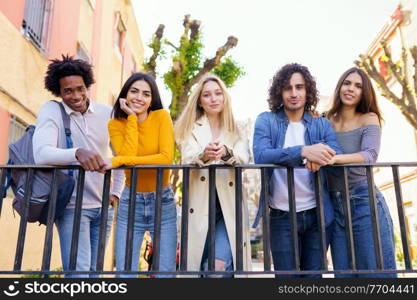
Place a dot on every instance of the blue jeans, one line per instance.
(362, 233)
(223, 252)
(87, 241)
(144, 221)
(308, 242)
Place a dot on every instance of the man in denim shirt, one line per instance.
(290, 136)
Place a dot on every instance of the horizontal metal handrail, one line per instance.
(244, 166)
(184, 221)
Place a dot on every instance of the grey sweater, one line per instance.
(366, 141)
(88, 131)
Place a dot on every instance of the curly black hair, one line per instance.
(281, 80)
(68, 66)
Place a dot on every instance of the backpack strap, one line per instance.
(67, 121)
(8, 182)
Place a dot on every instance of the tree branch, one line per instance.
(400, 74)
(210, 64)
(186, 24)
(150, 66)
(368, 65)
(413, 52)
(394, 68)
(195, 28)
(172, 45)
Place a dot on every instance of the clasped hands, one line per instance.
(214, 151)
(318, 155)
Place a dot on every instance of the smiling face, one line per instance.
(211, 98)
(74, 92)
(139, 97)
(351, 90)
(294, 93)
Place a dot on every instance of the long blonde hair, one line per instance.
(193, 112)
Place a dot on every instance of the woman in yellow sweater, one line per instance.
(142, 133)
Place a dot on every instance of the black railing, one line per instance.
(182, 268)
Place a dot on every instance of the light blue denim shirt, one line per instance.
(268, 141)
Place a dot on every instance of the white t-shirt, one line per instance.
(304, 195)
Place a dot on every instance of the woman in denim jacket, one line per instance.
(356, 119)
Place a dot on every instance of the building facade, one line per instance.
(33, 32)
(398, 143)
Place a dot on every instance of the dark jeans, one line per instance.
(308, 241)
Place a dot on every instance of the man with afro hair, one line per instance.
(70, 79)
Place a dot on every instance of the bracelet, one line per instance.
(227, 156)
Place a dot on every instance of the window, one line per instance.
(16, 129)
(36, 22)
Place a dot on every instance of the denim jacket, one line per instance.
(268, 142)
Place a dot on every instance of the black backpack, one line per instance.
(21, 153)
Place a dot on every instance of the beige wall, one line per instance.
(35, 237)
(85, 26)
(22, 76)
(109, 66)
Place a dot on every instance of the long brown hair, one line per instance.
(368, 101)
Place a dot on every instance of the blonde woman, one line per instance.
(207, 133)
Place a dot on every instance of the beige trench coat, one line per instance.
(199, 191)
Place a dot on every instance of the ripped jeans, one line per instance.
(362, 233)
(144, 221)
(223, 252)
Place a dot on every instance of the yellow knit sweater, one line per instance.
(150, 142)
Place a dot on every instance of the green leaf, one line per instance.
(229, 71)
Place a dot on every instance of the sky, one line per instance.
(324, 35)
